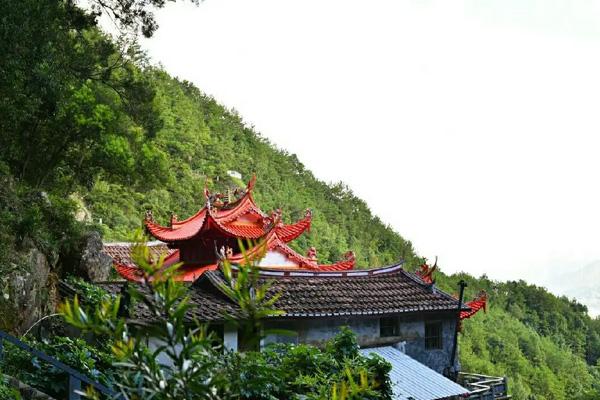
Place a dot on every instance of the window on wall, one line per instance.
(388, 327)
(433, 335)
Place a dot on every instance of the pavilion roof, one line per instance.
(241, 218)
(234, 215)
(190, 272)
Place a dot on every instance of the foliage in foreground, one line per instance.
(7, 392)
(93, 361)
(183, 361)
(286, 371)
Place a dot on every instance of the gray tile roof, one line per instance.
(382, 291)
(121, 251)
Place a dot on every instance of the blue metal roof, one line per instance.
(414, 381)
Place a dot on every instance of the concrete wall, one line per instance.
(411, 336)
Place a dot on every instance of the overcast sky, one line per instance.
(470, 127)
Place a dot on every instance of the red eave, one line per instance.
(479, 303)
(186, 273)
(190, 273)
(244, 206)
(273, 242)
(287, 233)
(182, 232)
(223, 219)
(128, 272)
(344, 265)
(240, 230)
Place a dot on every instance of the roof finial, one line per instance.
(206, 192)
(174, 219)
(276, 216)
(149, 217)
(308, 215)
(349, 256)
(312, 253)
(426, 271)
(252, 182)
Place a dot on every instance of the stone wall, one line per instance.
(414, 335)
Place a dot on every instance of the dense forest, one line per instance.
(92, 135)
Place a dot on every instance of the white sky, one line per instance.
(470, 127)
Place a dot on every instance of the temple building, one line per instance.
(214, 233)
(395, 312)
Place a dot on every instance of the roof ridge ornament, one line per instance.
(425, 271)
(273, 219)
(349, 256)
(148, 216)
(217, 200)
(251, 183)
(206, 194)
(312, 254)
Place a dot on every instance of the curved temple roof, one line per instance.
(225, 217)
(272, 242)
(241, 218)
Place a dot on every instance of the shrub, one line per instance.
(7, 392)
(91, 361)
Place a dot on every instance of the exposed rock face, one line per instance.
(28, 284)
(95, 265)
(26, 292)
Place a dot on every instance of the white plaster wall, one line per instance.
(276, 258)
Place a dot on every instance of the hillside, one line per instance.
(88, 124)
(547, 345)
(199, 141)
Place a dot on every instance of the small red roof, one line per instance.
(274, 243)
(479, 303)
(187, 273)
(241, 218)
(190, 272)
(287, 233)
(234, 215)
